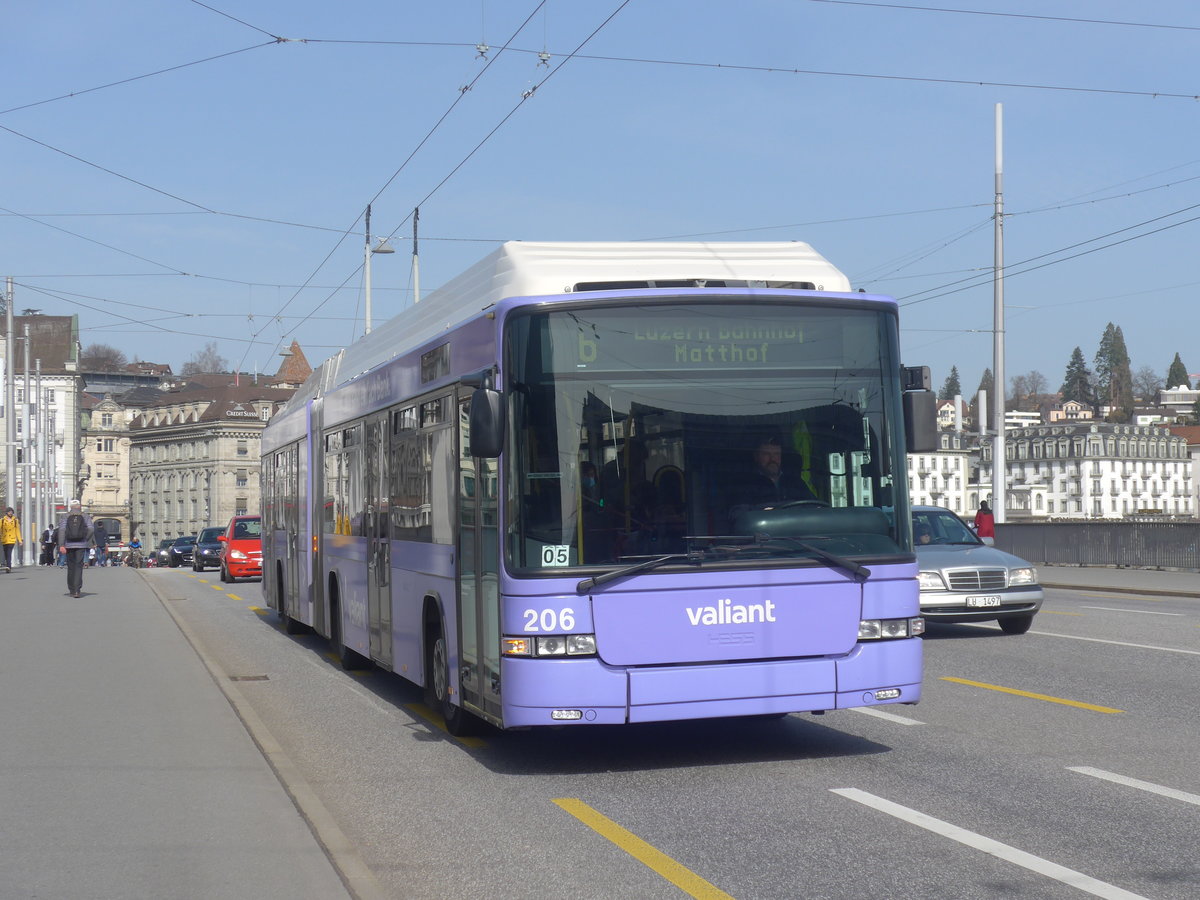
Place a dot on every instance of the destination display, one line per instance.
(714, 338)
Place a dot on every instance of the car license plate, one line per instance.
(990, 600)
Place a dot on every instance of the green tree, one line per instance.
(1102, 363)
(1120, 379)
(1177, 375)
(1077, 384)
(951, 387)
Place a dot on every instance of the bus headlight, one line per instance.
(890, 629)
(555, 645)
(550, 645)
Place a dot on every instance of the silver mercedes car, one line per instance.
(965, 580)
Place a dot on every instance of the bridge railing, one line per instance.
(1156, 545)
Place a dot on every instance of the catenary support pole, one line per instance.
(999, 458)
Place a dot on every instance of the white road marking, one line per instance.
(1143, 612)
(1077, 637)
(880, 714)
(995, 848)
(1140, 785)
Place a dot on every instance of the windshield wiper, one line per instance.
(645, 566)
(713, 553)
(860, 572)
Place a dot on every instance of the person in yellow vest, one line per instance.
(10, 536)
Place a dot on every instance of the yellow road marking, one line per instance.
(216, 587)
(1119, 595)
(259, 610)
(683, 878)
(436, 720)
(1046, 697)
(236, 597)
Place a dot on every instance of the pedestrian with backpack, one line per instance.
(10, 536)
(75, 534)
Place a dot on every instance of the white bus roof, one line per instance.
(532, 269)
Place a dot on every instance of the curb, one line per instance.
(358, 879)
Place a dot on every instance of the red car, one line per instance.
(241, 549)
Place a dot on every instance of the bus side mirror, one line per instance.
(486, 438)
(920, 421)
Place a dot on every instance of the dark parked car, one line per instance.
(964, 580)
(180, 551)
(207, 551)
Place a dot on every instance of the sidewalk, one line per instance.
(124, 769)
(1122, 581)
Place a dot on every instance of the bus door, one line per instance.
(379, 557)
(478, 576)
(289, 600)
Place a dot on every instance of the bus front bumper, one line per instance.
(588, 692)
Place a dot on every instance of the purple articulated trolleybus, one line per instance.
(600, 483)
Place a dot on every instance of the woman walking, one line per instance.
(985, 523)
(10, 536)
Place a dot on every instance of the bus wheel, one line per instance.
(1016, 624)
(347, 658)
(458, 721)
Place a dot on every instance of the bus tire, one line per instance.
(1016, 624)
(348, 659)
(458, 721)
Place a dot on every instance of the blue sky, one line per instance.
(176, 175)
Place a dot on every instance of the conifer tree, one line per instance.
(1077, 385)
(1177, 375)
(1120, 380)
(951, 387)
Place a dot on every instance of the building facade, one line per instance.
(103, 484)
(194, 458)
(943, 477)
(1095, 470)
(40, 366)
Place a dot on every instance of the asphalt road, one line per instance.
(1060, 763)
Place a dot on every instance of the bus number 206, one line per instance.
(554, 621)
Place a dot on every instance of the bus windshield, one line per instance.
(732, 429)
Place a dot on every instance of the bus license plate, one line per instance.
(990, 600)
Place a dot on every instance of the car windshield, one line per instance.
(940, 526)
(209, 535)
(247, 529)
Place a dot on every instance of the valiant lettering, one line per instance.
(726, 612)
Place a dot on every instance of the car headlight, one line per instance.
(238, 555)
(930, 581)
(1024, 575)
